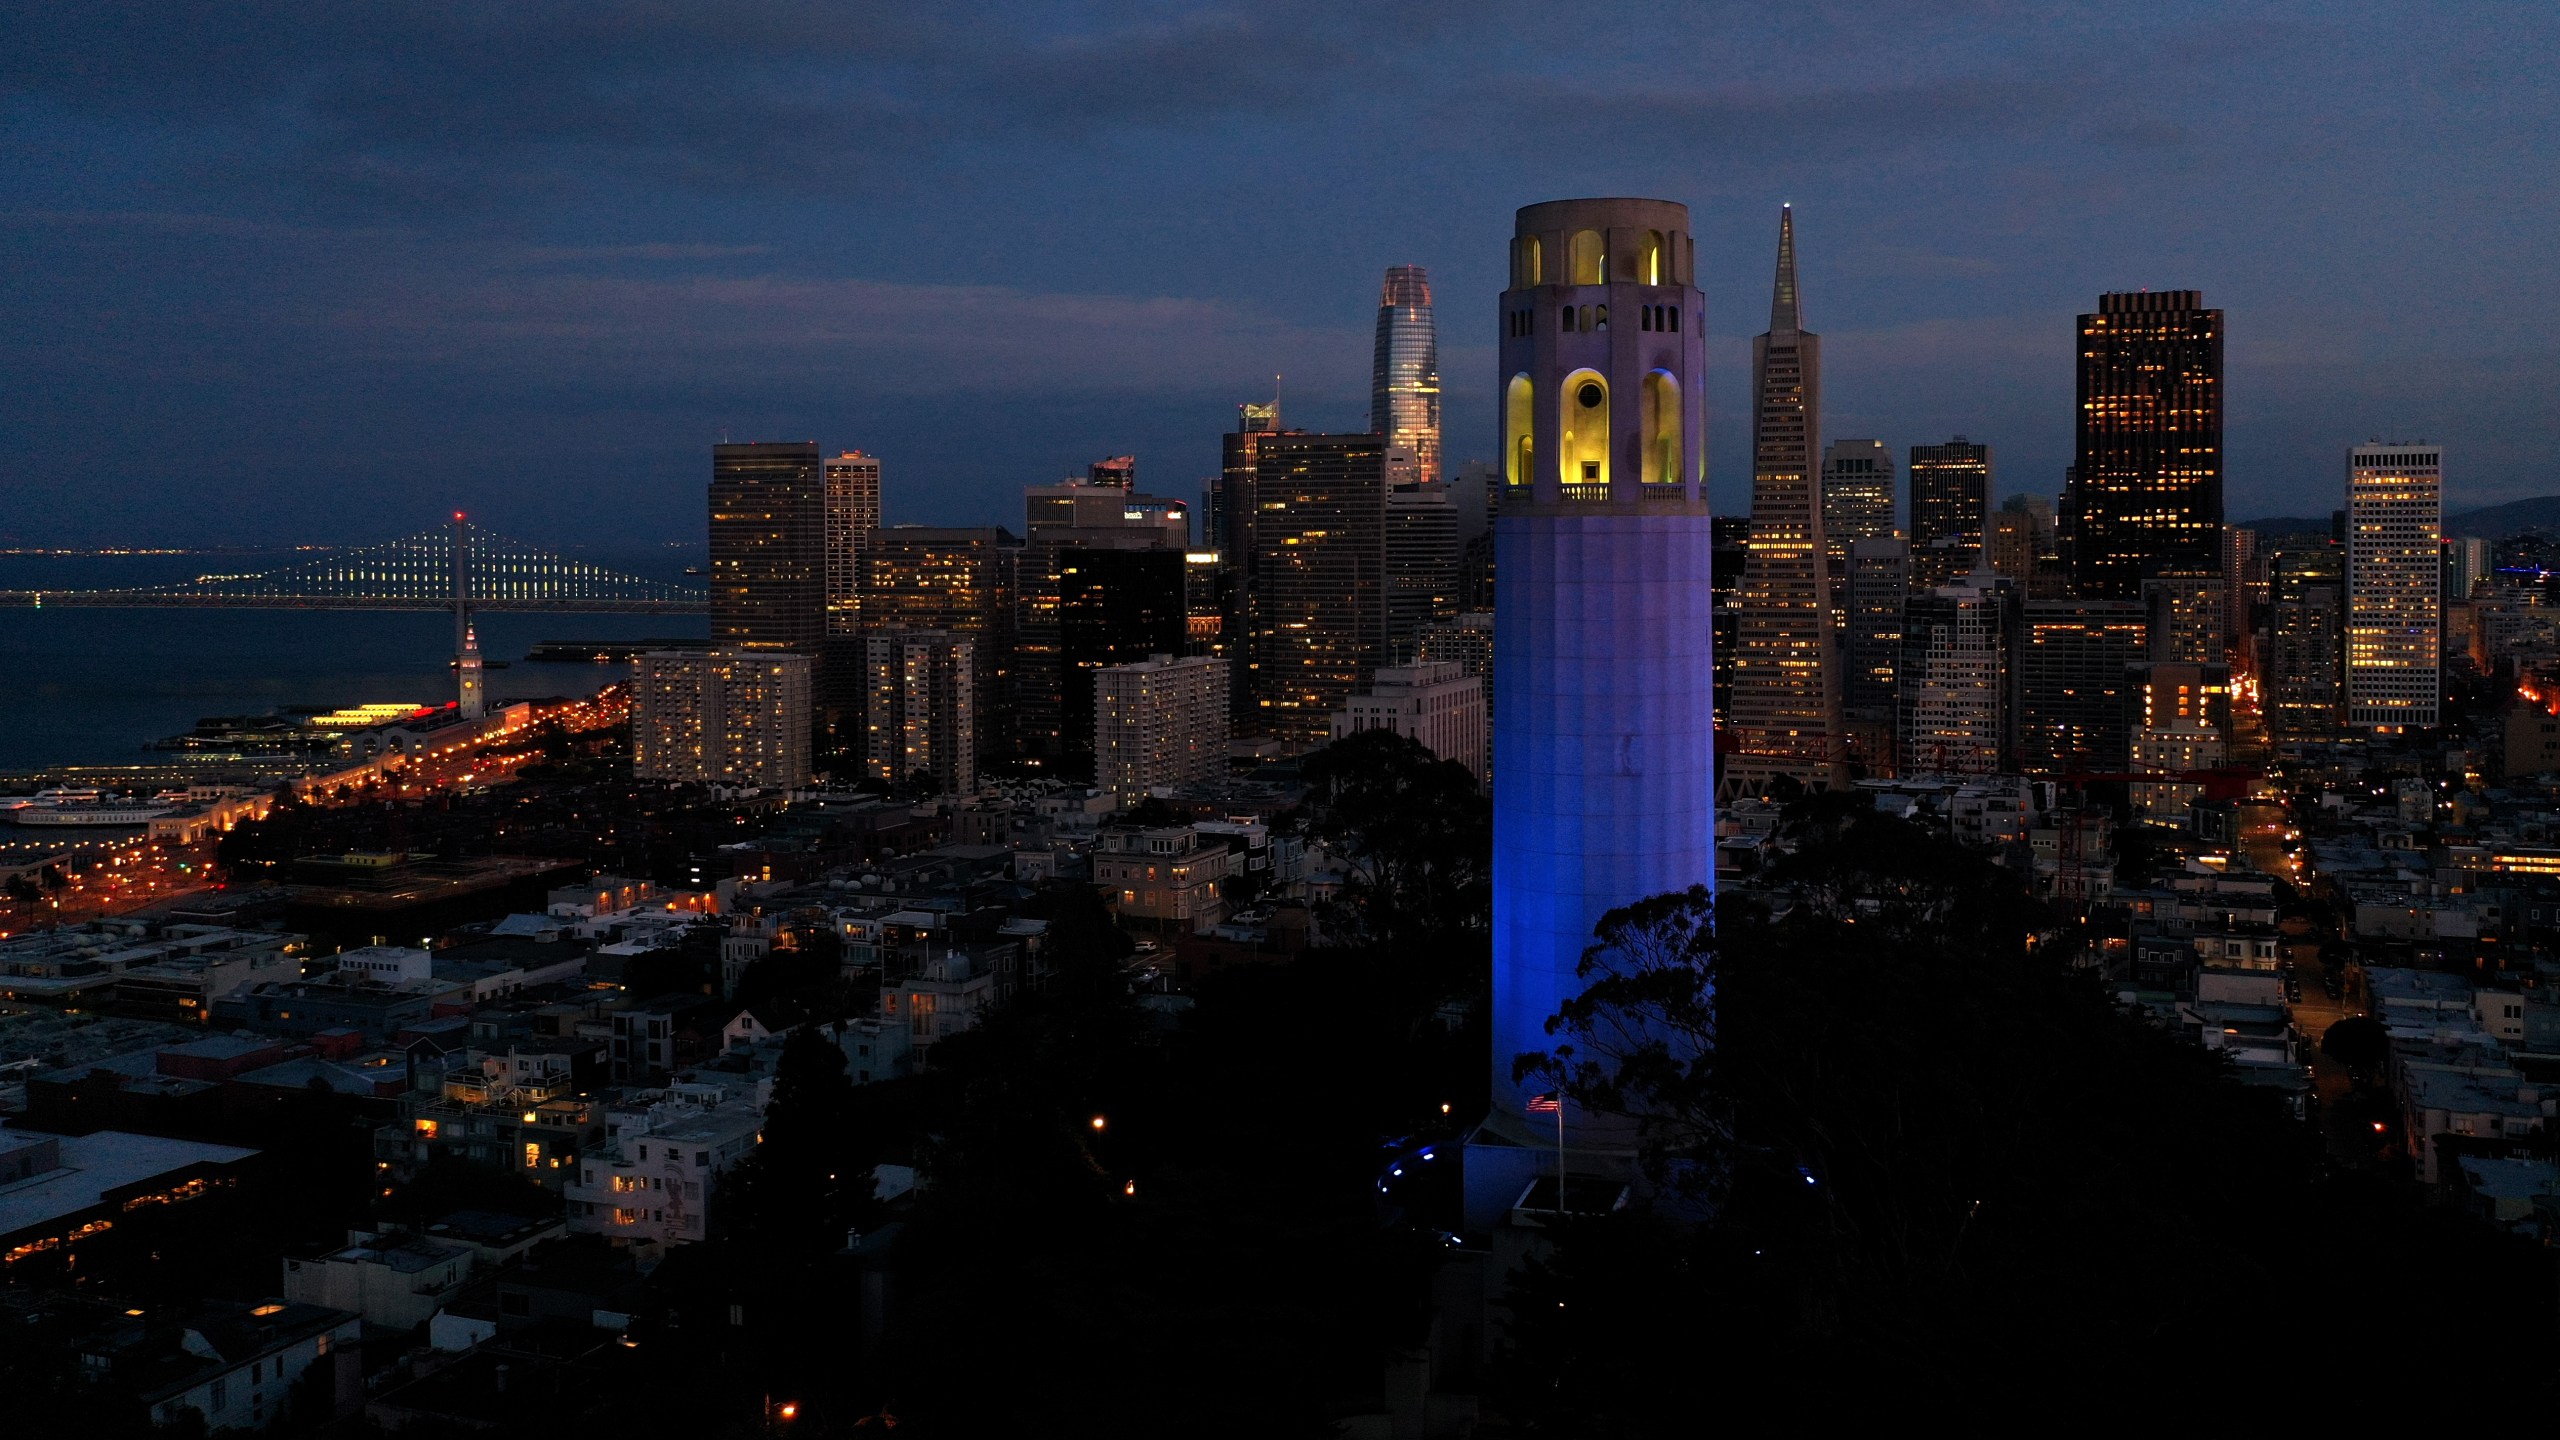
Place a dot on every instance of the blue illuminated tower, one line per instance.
(1603, 708)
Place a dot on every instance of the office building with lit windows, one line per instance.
(1233, 513)
(2180, 724)
(1950, 510)
(1316, 602)
(1422, 562)
(722, 717)
(1404, 385)
(2146, 478)
(1102, 581)
(921, 717)
(1857, 495)
(2395, 587)
(2073, 663)
(1603, 701)
(963, 579)
(1785, 715)
(852, 513)
(1953, 683)
(768, 547)
(2302, 654)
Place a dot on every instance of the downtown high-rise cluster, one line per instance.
(1103, 642)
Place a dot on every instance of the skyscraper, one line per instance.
(922, 714)
(853, 512)
(1404, 384)
(2146, 486)
(2072, 661)
(1316, 609)
(1953, 680)
(1950, 506)
(962, 579)
(1786, 678)
(1603, 740)
(1878, 590)
(1857, 496)
(1101, 582)
(2303, 653)
(768, 547)
(1422, 562)
(2395, 586)
(1233, 538)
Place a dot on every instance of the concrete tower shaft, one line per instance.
(1603, 723)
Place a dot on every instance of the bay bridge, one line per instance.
(459, 567)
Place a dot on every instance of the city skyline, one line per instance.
(436, 293)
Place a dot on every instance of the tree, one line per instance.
(811, 1176)
(2358, 1042)
(1415, 829)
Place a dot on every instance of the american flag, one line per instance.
(1547, 1103)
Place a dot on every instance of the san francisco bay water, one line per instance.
(93, 686)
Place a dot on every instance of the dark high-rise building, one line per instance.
(1316, 584)
(1786, 681)
(2302, 655)
(768, 547)
(1233, 539)
(2071, 666)
(2146, 487)
(1876, 591)
(961, 579)
(1067, 525)
(1404, 385)
(1422, 563)
(1950, 503)
(1729, 555)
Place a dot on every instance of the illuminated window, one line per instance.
(1589, 258)
(1528, 262)
(1657, 268)
(1661, 416)
(1518, 418)
(1583, 431)
(426, 1129)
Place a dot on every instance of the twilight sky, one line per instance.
(322, 271)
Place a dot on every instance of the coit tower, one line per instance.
(1603, 709)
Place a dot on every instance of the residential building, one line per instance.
(2187, 608)
(963, 579)
(2395, 587)
(1163, 876)
(1159, 722)
(768, 547)
(230, 1362)
(922, 715)
(2181, 724)
(396, 1280)
(654, 1178)
(1434, 702)
(722, 717)
(2146, 480)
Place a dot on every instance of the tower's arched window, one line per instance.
(1590, 258)
(1582, 437)
(1519, 418)
(1662, 429)
(1528, 263)
(1657, 261)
